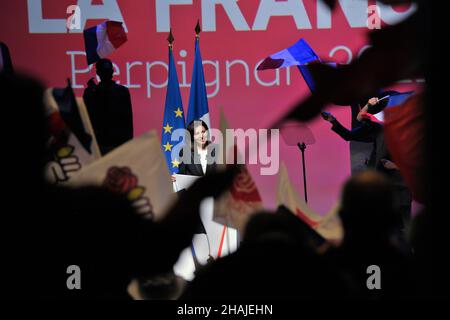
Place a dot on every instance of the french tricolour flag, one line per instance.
(394, 99)
(103, 39)
(298, 54)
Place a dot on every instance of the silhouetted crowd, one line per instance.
(47, 228)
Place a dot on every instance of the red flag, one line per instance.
(404, 129)
(244, 188)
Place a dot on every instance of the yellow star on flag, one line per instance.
(175, 163)
(167, 128)
(167, 146)
(178, 113)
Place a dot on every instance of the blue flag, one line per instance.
(307, 76)
(173, 115)
(198, 100)
(398, 98)
(300, 53)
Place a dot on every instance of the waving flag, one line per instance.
(5, 59)
(102, 40)
(298, 54)
(404, 130)
(398, 98)
(198, 99)
(328, 226)
(173, 113)
(389, 99)
(243, 199)
(72, 144)
(137, 170)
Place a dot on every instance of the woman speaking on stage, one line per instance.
(199, 164)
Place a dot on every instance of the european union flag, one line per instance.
(173, 115)
(198, 100)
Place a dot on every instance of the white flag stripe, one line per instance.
(104, 46)
(289, 60)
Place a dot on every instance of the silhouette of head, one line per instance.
(281, 227)
(25, 143)
(105, 69)
(367, 207)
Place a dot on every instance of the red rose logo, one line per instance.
(57, 130)
(244, 187)
(120, 180)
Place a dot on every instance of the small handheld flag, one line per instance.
(102, 40)
(298, 54)
(398, 98)
(68, 108)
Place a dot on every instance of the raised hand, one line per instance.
(328, 116)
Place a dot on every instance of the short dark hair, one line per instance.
(105, 69)
(368, 204)
(104, 64)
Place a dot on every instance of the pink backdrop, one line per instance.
(247, 103)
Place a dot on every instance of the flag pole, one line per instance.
(302, 147)
(197, 30)
(197, 265)
(171, 39)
